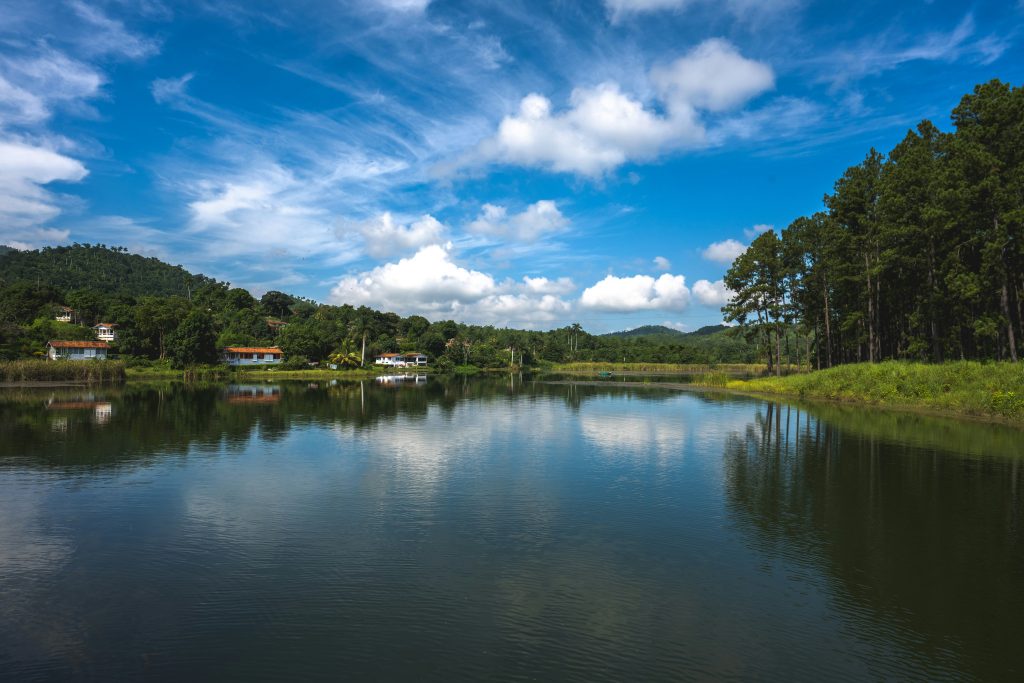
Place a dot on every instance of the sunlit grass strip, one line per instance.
(682, 368)
(92, 371)
(963, 387)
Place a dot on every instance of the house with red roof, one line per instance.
(252, 355)
(76, 350)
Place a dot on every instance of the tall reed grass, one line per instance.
(35, 370)
(964, 387)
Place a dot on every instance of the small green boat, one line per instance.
(604, 373)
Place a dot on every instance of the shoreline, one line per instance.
(792, 398)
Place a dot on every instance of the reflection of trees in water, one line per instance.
(928, 539)
(161, 419)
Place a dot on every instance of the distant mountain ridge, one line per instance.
(662, 331)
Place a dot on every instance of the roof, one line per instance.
(105, 325)
(414, 353)
(389, 355)
(252, 349)
(63, 344)
(272, 322)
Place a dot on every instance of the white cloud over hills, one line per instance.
(637, 293)
(431, 283)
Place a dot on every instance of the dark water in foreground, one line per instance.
(484, 529)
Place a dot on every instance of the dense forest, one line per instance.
(164, 312)
(918, 254)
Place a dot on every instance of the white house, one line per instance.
(76, 350)
(251, 355)
(105, 331)
(400, 360)
(65, 314)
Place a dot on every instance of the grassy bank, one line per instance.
(989, 390)
(656, 368)
(90, 371)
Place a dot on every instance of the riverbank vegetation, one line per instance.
(34, 370)
(165, 315)
(917, 255)
(989, 390)
(587, 368)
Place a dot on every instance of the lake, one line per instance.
(501, 528)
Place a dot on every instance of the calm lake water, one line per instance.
(509, 530)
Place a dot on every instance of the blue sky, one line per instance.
(516, 163)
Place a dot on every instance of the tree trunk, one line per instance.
(936, 346)
(871, 310)
(828, 326)
(778, 352)
(362, 354)
(1011, 338)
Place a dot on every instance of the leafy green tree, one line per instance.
(277, 304)
(194, 341)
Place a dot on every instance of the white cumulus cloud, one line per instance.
(604, 127)
(385, 237)
(713, 76)
(431, 283)
(542, 285)
(711, 293)
(428, 280)
(637, 293)
(724, 252)
(537, 220)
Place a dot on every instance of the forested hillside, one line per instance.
(918, 254)
(108, 270)
(647, 331)
(163, 311)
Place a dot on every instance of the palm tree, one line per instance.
(576, 329)
(360, 327)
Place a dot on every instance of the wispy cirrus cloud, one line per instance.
(60, 73)
(888, 50)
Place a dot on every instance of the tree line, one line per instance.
(917, 254)
(165, 313)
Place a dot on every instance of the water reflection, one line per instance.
(500, 528)
(921, 545)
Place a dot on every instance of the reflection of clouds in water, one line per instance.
(31, 555)
(26, 546)
(730, 418)
(419, 448)
(633, 435)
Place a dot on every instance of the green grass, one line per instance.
(639, 368)
(92, 371)
(989, 390)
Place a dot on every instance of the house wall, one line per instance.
(76, 354)
(247, 359)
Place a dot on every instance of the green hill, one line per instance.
(647, 331)
(110, 270)
(662, 331)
